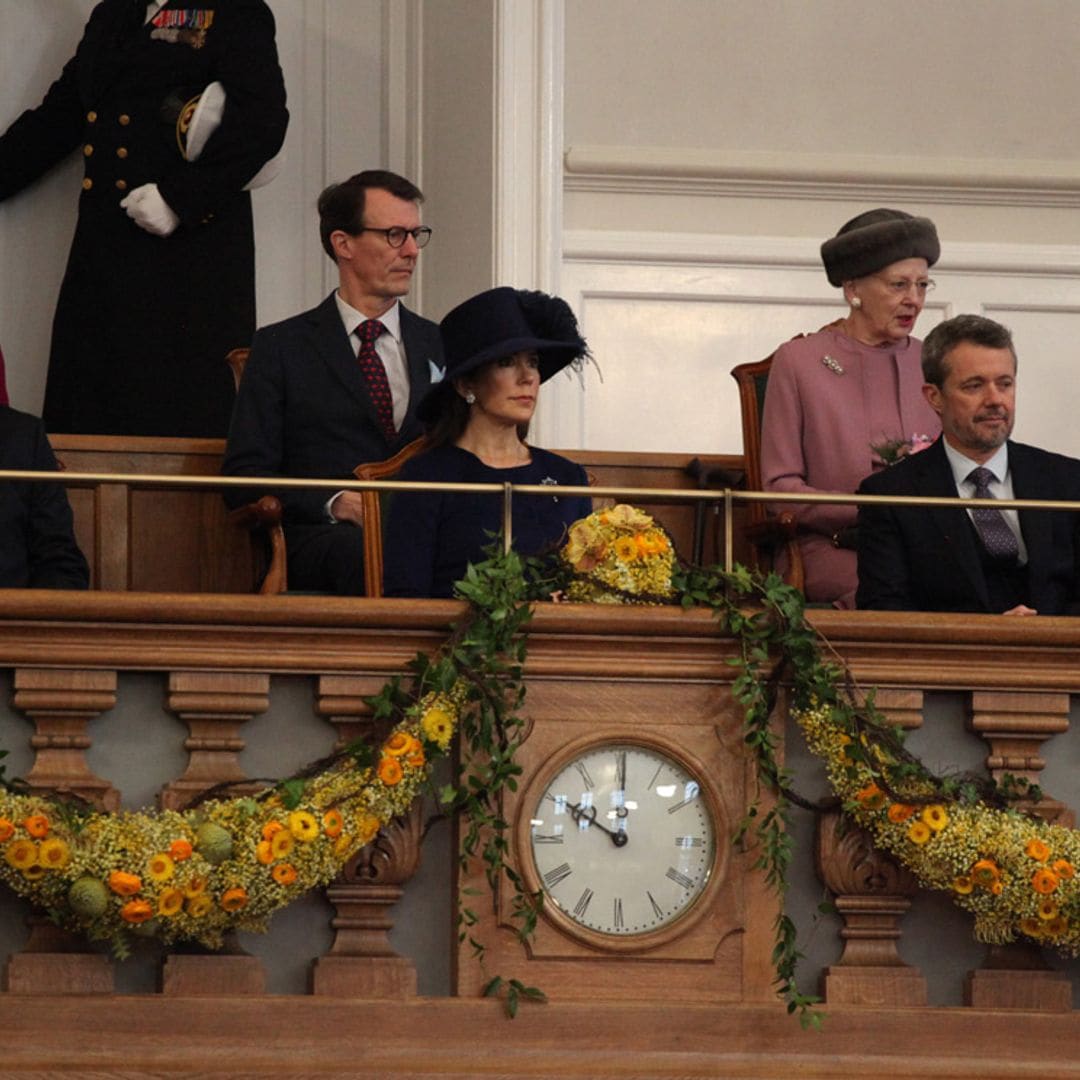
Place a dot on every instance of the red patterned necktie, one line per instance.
(371, 367)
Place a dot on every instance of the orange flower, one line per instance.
(137, 911)
(390, 771)
(1044, 881)
(180, 850)
(333, 823)
(1036, 849)
(284, 874)
(415, 761)
(1063, 868)
(899, 812)
(270, 828)
(871, 796)
(997, 888)
(234, 899)
(124, 884)
(985, 872)
(264, 853)
(7, 829)
(37, 825)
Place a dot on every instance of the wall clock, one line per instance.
(622, 838)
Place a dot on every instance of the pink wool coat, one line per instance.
(829, 398)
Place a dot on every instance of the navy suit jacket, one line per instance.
(303, 408)
(926, 558)
(37, 539)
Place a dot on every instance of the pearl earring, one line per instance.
(470, 398)
(856, 303)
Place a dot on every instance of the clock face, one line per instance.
(622, 839)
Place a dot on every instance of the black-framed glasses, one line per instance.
(395, 235)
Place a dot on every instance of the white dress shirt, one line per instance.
(1001, 487)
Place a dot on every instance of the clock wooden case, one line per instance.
(624, 815)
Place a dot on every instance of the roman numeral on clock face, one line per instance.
(583, 903)
(557, 874)
(680, 878)
(657, 910)
(586, 779)
(616, 914)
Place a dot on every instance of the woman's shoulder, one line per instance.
(439, 463)
(561, 468)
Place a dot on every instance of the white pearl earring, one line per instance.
(856, 303)
(470, 398)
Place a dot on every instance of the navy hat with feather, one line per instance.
(498, 323)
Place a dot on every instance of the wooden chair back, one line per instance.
(373, 502)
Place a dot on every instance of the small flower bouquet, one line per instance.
(890, 451)
(619, 556)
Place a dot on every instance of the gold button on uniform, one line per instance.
(124, 119)
(121, 185)
(121, 152)
(87, 183)
(87, 150)
(91, 117)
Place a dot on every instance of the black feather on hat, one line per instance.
(874, 240)
(498, 323)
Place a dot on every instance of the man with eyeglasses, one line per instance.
(338, 386)
(985, 559)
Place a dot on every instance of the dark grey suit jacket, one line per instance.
(925, 558)
(303, 408)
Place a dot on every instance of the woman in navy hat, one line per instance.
(500, 346)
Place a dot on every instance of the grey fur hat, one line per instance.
(875, 239)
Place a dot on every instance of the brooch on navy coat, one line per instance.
(551, 480)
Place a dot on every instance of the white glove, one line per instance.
(150, 211)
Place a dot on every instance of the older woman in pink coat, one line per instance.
(842, 401)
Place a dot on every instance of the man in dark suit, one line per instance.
(321, 395)
(37, 540)
(160, 279)
(933, 558)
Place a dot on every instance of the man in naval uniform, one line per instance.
(160, 280)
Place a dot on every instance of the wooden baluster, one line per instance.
(872, 894)
(1016, 724)
(213, 705)
(361, 961)
(61, 703)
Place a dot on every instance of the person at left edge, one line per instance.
(160, 279)
(38, 549)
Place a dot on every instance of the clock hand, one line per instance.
(580, 813)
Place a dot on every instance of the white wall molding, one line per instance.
(651, 170)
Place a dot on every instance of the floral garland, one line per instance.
(226, 864)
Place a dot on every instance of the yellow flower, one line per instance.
(303, 826)
(198, 906)
(234, 899)
(1037, 849)
(124, 884)
(366, 828)
(397, 744)
(963, 885)
(281, 843)
(160, 867)
(194, 886)
(1057, 927)
(53, 853)
(625, 549)
(1032, 927)
(333, 823)
(1047, 909)
(919, 832)
(263, 853)
(34, 873)
(438, 727)
(342, 845)
(170, 901)
(936, 817)
(1044, 881)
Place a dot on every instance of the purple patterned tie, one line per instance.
(998, 539)
(371, 367)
